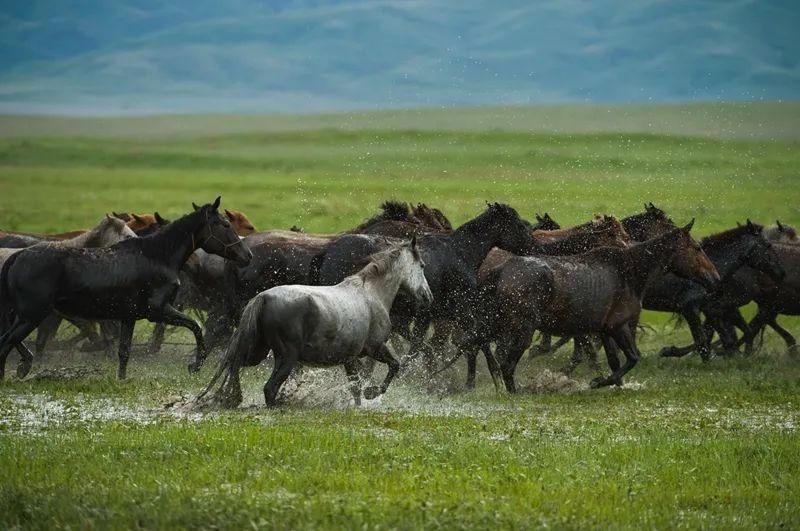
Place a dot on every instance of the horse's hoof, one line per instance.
(598, 382)
(371, 392)
(23, 369)
(667, 352)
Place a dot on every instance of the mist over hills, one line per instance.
(125, 56)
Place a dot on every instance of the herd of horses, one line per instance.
(335, 299)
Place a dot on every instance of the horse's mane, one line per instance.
(380, 263)
(492, 212)
(390, 210)
(720, 239)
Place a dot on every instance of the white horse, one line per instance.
(324, 325)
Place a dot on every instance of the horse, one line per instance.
(730, 250)
(451, 268)
(109, 231)
(601, 231)
(773, 298)
(201, 279)
(324, 325)
(131, 280)
(598, 292)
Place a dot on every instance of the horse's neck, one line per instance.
(82, 240)
(472, 245)
(173, 244)
(568, 244)
(727, 259)
(643, 260)
(385, 287)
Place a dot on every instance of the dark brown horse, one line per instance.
(602, 231)
(731, 250)
(598, 292)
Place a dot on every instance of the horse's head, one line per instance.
(781, 233)
(217, 236)
(689, 259)
(545, 223)
(414, 282)
(610, 232)
(240, 223)
(510, 231)
(651, 223)
(761, 255)
(111, 230)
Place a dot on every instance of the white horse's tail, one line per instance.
(244, 340)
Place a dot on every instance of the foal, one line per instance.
(324, 325)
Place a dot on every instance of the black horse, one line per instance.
(729, 251)
(451, 268)
(135, 279)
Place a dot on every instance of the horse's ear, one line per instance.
(195, 206)
(229, 215)
(780, 227)
(216, 202)
(138, 218)
(159, 219)
(108, 216)
(688, 227)
(749, 223)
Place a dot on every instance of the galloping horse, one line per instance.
(598, 292)
(324, 325)
(134, 279)
(729, 251)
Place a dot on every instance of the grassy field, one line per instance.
(683, 444)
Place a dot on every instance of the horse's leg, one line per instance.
(624, 338)
(286, 357)
(353, 368)
(170, 315)
(513, 347)
(472, 357)
(381, 353)
(753, 328)
(157, 339)
(735, 318)
(125, 338)
(578, 352)
(612, 358)
(18, 331)
(791, 343)
(700, 338)
(544, 346)
(46, 331)
(25, 360)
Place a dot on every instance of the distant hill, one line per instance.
(119, 56)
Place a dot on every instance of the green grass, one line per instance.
(684, 444)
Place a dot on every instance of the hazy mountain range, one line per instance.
(117, 56)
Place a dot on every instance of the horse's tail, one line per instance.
(6, 307)
(244, 340)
